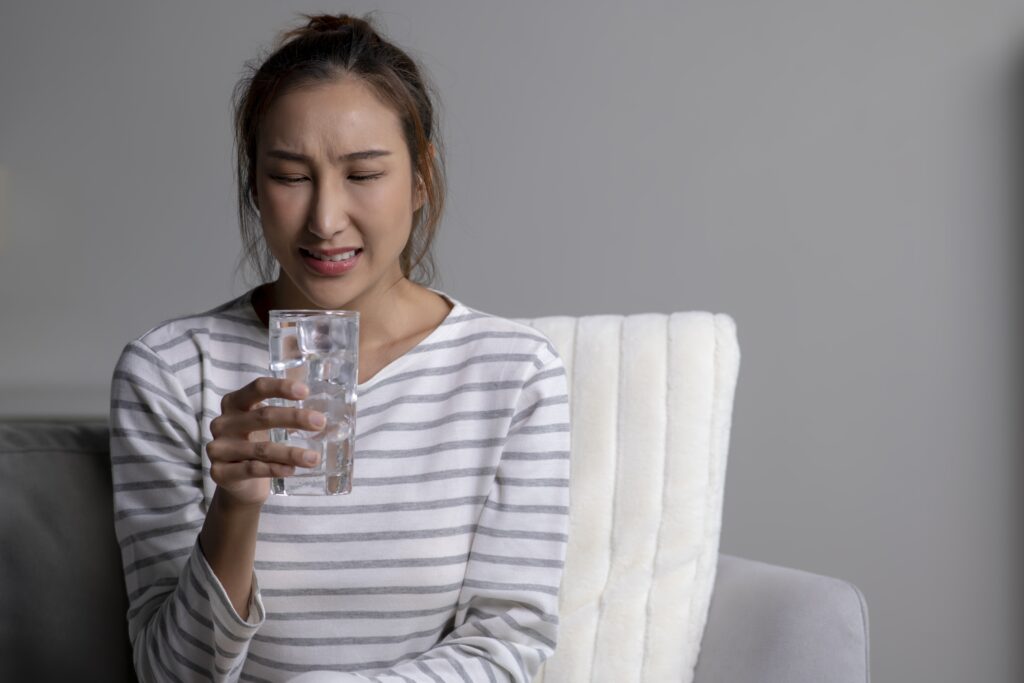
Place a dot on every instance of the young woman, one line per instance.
(444, 562)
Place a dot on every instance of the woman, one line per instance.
(445, 560)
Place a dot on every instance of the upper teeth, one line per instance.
(338, 257)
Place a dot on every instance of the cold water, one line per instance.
(320, 352)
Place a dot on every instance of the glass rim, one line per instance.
(311, 313)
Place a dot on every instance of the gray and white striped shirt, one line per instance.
(443, 564)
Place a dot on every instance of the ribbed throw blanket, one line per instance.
(651, 399)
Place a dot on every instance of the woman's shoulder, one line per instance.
(232, 320)
(484, 331)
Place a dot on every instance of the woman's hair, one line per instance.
(327, 48)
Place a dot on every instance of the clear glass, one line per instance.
(320, 348)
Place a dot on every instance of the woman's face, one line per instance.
(333, 174)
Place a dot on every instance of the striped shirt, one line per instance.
(442, 564)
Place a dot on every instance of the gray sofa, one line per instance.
(62, 605)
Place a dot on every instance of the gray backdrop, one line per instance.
(836, 176)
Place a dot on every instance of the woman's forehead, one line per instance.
(336, 118)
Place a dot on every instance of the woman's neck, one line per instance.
(383, 320)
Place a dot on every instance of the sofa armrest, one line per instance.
(768, 623)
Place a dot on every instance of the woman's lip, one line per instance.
(329, 252)
(330, 268)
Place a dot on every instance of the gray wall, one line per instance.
(836, 176)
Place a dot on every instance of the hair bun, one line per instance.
(319, 24)
(329, 22)
(326, 23)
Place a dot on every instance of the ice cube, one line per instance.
(285, 346)
(344, 334)
(315, 336)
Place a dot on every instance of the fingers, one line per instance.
(235, 460)
(260, 389)
(225, 473)
(234, 451)
(263, 418)
(240, 450)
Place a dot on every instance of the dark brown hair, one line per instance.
(326, 48)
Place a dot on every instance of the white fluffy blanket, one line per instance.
(651, 398)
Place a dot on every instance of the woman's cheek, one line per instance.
(284, 212)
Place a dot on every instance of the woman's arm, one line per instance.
(180, 619)
(242, 462)
(228, 542)
(193, 602)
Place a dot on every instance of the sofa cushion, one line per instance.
(62, 607)
(771, 623)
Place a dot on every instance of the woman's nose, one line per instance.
(329, 212)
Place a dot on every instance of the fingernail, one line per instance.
(317, 420)
(311, 457)
(300, 389)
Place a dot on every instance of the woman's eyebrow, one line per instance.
(351, 156)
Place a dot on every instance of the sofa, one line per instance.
(62, 609)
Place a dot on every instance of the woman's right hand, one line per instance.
(242, 457)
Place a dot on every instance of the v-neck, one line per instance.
(402, 361)
(395, 365)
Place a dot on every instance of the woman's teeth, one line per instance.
(340, 257)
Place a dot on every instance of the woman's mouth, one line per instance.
(338, 264)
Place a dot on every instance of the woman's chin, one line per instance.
(329, 293)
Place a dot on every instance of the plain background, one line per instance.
(837, 176)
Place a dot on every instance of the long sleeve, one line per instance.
(506, 621)
(180, 621)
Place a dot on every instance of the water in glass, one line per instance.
(320, 349)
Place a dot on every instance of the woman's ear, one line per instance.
(420, 195)
(421, 187)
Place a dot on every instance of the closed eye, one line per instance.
(290, 180)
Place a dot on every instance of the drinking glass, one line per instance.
(321, 349)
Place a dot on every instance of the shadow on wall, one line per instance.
(1016, 241)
